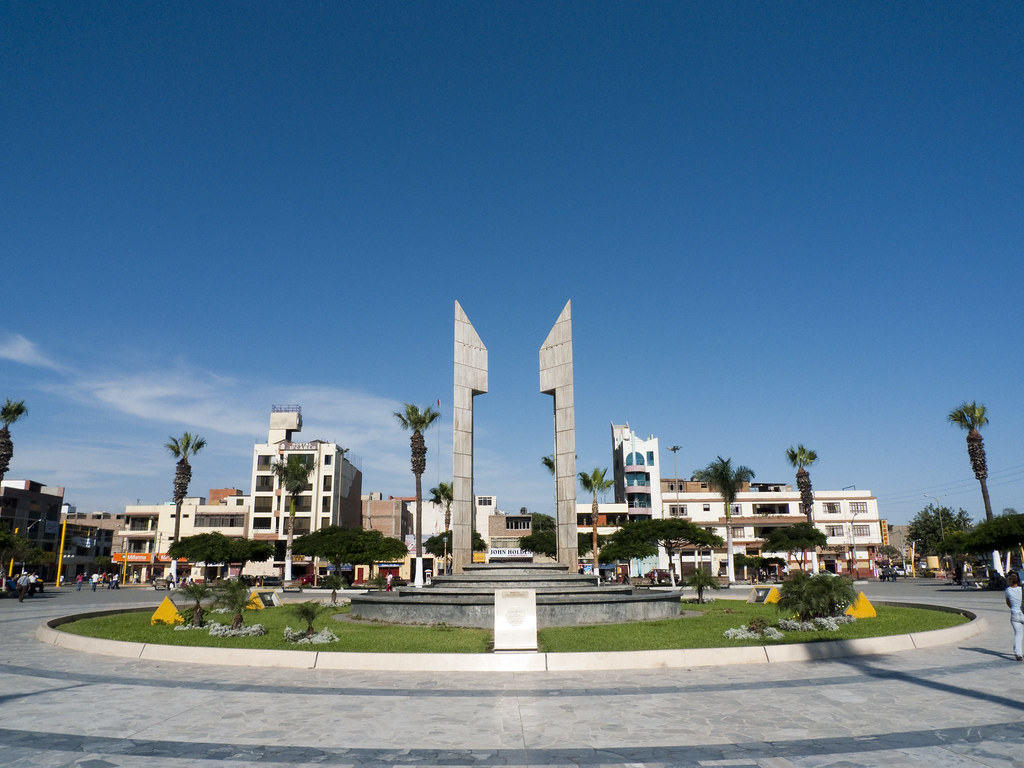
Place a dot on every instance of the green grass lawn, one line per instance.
(352, 636)
(703, 631)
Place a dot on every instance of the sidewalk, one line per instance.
(957, 705)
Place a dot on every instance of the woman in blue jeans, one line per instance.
(1014, 598)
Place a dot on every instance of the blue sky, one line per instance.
(778, 223)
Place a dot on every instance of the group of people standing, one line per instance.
(108, 580)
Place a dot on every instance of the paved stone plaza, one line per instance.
(955, 705)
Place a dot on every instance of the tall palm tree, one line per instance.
(418, 421)
(721, 476)
(181, 448)
(972, 417)
(800, 458)
(10, 412)
(293, 474)
(595, 483)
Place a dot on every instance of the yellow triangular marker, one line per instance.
(255, 604)
(166, 613)
(773, 595)
(862, 608)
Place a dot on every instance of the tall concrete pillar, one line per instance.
(470, 381)
(556, 380)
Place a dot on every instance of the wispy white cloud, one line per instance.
(15, 347)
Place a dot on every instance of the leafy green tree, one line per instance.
(631, 541)
(206, 548)
(245, 551)
(440, 544)
(801, 458)
(417, 422)
(542, 538)
(181, 448)
(198, 594)
(816, 596)
(672, 534)
(1001, 533)
(933, 525)
(700, 580)
(798, 537)
(310, 611)
(726, 480)
(10, 412)
(234, 595)
(595, 483)
(293, 473)
(14, 546)
(972, 417)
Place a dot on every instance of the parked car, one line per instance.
(305, 580)
(900, 571)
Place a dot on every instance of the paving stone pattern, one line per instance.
(955, 705)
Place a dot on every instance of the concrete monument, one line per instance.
(470, 381)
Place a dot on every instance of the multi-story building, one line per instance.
(848, 518)
(88, 536)
(149, 530)
(331, 497)
(637, 472)
(33, 510)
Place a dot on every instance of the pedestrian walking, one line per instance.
(115, 580)
(79, 580)
(23, 584)
(95, 580)
(1014, 599)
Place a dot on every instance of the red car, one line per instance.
(305, 580)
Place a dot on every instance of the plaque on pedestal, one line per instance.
(515, 620)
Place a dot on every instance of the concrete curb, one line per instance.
(48, 632)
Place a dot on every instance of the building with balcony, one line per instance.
(849, 519)
(637, 471)
(88, 536)
(148, 531)
(331, 497)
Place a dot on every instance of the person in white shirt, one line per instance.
(1014, 599)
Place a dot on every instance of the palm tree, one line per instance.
(595, 483)
(293, 473)
(800, 458)
(443, 495)
(416, 420)
(972, 417)
(722, 477)
(10, 412)
(197, 593)
(310, 611)
(181, 448)
(234, 595)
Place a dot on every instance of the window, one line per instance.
(485, 501)
(862, 530)
(707, 507)
(220, 521)
(327, 460)
(736, 510)
(327, 483)
(261, 523)
(831, 507)
(264, 482)
(834, 530)
(263, 504)
(677, 510)
(650, 458)
(325, 504)
(324, 522)
(263, 462)
(737, 533)
(635, 459)
(859, 507)
(517, 523)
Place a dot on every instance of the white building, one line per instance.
(331, 497)
(149, 530)
(848, 518)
